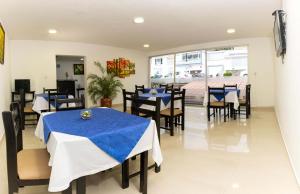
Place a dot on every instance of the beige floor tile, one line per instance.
(236, 157)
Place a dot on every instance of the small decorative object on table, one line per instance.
(86, 114)
(153, 92)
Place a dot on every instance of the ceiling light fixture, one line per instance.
(231, 31)
(52, 31)
(81, 59)
(146, 45)
(139, 20)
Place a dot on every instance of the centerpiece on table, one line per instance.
(104, 87)
(153, 92)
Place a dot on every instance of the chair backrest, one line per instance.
(177, 96)
(216, 91)
(152, 110)
(79, 103)
(29, 96)
(234, 86)
(45, 90)
(127, 96)
(248, 94)
(140, 88)
(14, 143)
(52, 97)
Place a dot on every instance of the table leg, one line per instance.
(125, 174)
(81, 186)
(68, 190)
(157, 168)
(144, 172)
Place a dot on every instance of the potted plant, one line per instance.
(104, 87)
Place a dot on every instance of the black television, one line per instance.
(22, 84)
(279, 32)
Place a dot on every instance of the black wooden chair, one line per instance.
(217, 105)
(246, 102)
(79, 103)
(173, 115)
(231, 87)
(127, 96)
(153, 112)
(53, 96)
(26, 99)
(24, 167)
(234, 86)
(140, 89)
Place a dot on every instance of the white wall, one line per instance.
(261, 65)
(67, 66)
(287, 104)
(5, 80)
(36, 60)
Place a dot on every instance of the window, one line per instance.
(162, 70)
(195, 70)
(189, 66)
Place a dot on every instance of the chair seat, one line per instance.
(242, 101)
(33, 164)
(167, 112)
(218, 104)
(28, 109)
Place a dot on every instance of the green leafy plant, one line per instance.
(227, 74)
(104, 86)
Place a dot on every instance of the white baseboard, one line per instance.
(287, 150)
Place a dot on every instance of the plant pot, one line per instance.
(106, 102)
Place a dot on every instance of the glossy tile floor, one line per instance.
(242, 156)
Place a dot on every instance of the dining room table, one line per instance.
(41, 102)
(231, 96)
(79, 147)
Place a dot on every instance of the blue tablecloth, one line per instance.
(114, 132)
(166, 98)
(46, 97)
(218, 93)
(158, 90)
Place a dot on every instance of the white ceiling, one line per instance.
(168, 23)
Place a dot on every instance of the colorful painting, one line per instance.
(2, 43)
(121, 67)
(78, 69)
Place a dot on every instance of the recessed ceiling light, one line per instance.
(146, 45)
(235, 186)
(52, 31)
(139, 20)
(81, 59)
(231, 31)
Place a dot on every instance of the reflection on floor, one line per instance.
(242, 156)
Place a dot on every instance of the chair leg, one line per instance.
(175, 121)
(224, 114)
(182, 122)
(208, 113)
(172, 126)
(166, 122)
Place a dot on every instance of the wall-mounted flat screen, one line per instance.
(279, 32)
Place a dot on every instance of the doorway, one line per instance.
(70, 74)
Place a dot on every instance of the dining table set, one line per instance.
(80, 146)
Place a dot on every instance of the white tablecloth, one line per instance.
(72, 156)
(40, 103)
(231, 97)
(163, 106)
